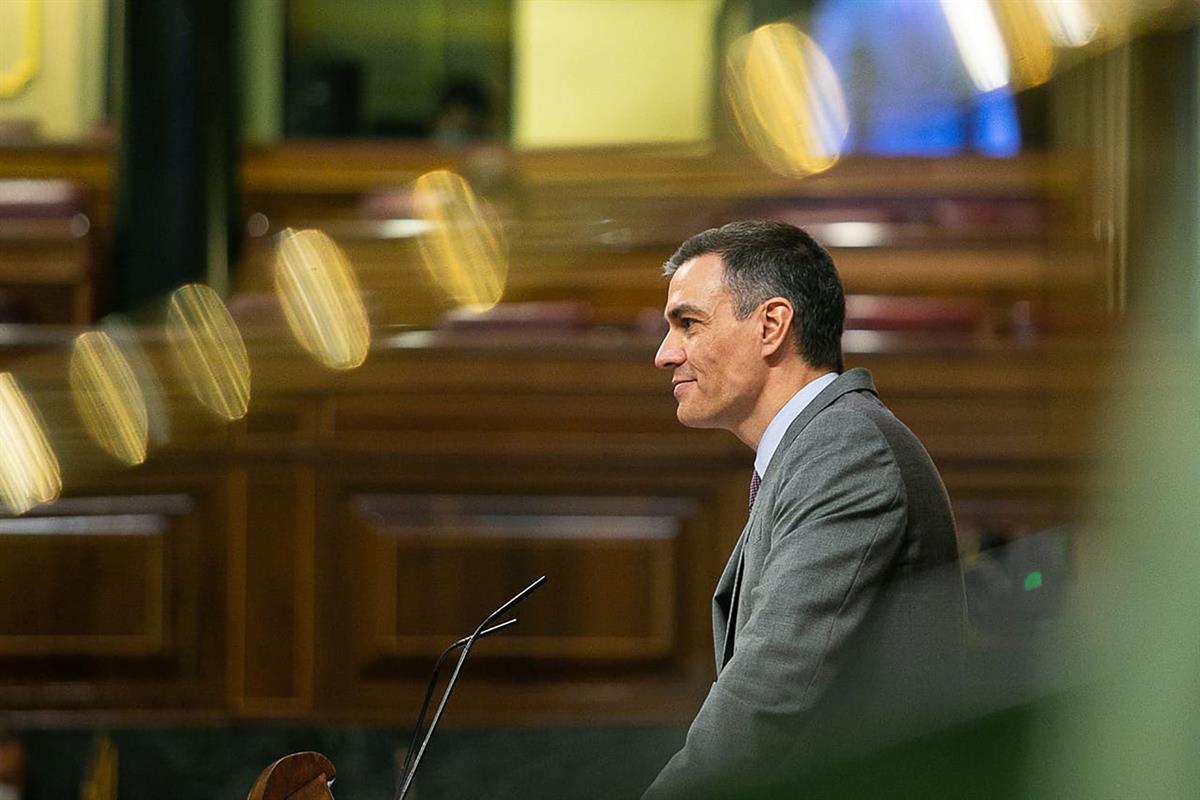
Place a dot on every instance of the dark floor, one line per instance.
(199, 764)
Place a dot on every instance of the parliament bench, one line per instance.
(46, 253)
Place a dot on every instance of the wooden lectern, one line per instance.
(300, 776)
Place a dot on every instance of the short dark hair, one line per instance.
(765, 259)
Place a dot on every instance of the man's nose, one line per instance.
(669, 354)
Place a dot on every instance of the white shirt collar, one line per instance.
(779, 424)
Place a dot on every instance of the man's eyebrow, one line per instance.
(683, 309)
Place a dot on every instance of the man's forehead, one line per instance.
(702, 268)
(698, 284)
(697, 287)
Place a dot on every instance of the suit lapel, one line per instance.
(731, 628)
(729, 593)
(726, 599)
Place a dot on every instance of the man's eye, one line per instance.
(686, 322)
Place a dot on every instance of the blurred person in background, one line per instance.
(841, 609)
(464, 114)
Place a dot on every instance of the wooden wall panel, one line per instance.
(406, 574)
(117, 568)
(108, 602)
(322, 552)
(431, 561)
(271, 540)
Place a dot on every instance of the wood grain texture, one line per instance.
(300, 776)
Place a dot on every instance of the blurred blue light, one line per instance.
(907, 90)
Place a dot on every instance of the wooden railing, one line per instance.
(592, 225)
(309, 561)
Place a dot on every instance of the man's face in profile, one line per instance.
(715, 359)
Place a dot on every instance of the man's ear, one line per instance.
(776, 325)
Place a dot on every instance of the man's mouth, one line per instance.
(678, 386)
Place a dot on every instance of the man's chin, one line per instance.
(691, 419)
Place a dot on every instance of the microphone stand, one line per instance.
(416, 737)
(411, 766)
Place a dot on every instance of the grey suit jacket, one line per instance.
(840, 613)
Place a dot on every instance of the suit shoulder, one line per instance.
(855, 426)
(863, 417)
(850, 415)
(869, 410)
(841, 431)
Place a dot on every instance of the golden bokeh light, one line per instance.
(209, 350)
(128, 343)
(979, 42)
(463, 248)
(1030, 46)
(107, 395)
(29, 471)
(1071, 23)
(321, 299)
(787, 100)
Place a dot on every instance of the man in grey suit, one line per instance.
(839, 617)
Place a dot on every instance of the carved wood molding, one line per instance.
(117, 612)
(631, 543)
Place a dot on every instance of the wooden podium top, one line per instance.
(300, 776)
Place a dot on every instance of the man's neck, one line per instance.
(781, 384)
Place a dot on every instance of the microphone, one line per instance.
(411, 762)
(412, 746)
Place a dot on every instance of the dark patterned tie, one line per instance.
(755, 482)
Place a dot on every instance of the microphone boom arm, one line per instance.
(416, 737)
(407, 776)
